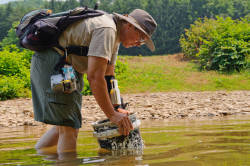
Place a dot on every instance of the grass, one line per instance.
(172, 73)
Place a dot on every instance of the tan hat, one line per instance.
(142, 21)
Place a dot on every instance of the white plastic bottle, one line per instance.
(115, 92)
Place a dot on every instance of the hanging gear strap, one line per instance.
(76, 50)
(108, 79)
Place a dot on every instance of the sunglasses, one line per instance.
(142, 37)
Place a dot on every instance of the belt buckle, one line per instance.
(66, 52)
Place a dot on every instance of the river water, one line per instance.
(224, 142)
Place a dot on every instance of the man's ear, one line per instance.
(130, 25)
(127, 24)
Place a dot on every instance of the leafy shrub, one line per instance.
(14, 72)
(121, 67)
(218, 44)
(15, 63)
(11, 87)
(86, 89)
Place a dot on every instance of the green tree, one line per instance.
(5, 24)
(14, 11)
(11, 37)
(52, 2)
(241, 8)
(172, 16)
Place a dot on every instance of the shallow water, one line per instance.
(223, 142)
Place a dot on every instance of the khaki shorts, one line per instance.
(50, 107)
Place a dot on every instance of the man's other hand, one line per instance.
(123, 123)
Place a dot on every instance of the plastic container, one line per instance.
(109, 138)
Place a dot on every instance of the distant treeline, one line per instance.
(172, 16)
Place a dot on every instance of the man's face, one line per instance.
(130, 36)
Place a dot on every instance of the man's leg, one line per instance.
(50, 138)
(66, 146)
(47, 145)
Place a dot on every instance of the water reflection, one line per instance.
(70, 159)
(124, 157)
(196, 143)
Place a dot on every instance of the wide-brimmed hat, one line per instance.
(142, 21)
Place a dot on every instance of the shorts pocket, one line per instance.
(60, 109)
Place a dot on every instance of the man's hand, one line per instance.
(123, 111)
(123, 122)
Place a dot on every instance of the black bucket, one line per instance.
(110, 139)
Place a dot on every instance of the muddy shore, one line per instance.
(159, 106)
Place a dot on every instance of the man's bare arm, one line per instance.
(110, 70)
(96, 71)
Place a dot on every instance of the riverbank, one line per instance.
(158, 106)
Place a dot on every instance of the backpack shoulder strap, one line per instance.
(70, 17)
(75, 15)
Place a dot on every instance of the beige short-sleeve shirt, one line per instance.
(98, 33)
